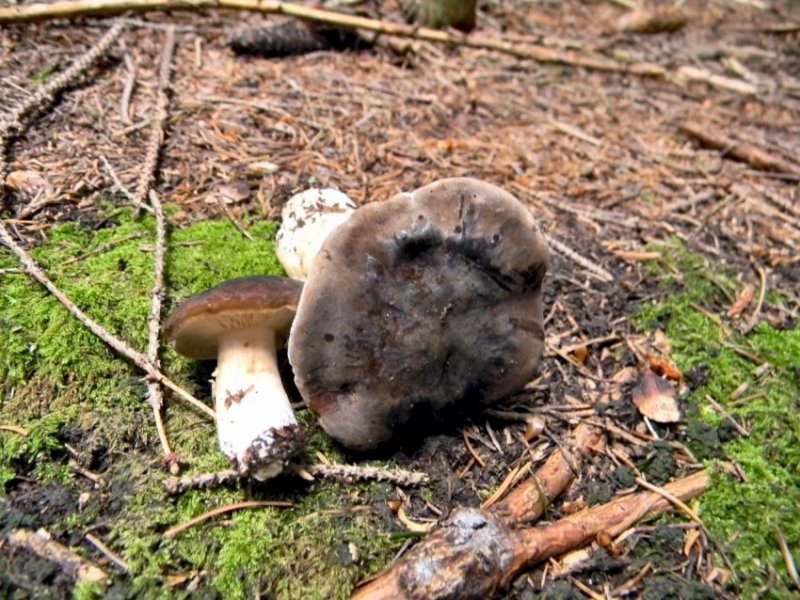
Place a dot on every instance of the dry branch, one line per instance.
(542, 54)
(148, 172)
(756, 157)
(136, 357)
(12, 124)
(473, 555)
(74, 566)
(143, 190)
(403, 477)
(584, 262)
(154, 395)
(528, 501)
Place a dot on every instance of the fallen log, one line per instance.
(474, 554)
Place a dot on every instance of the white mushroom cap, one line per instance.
(308, 218)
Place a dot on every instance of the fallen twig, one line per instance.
(788, 560)
(728, 416)
(690, 73)
(136, 357)
(751, 154)
(173, 531)
(154, 393)
(474, 554)
(44, 95)
(529, 500)
(40, 543)
(155, 397)
(127, 89)
(584, 262)
(542, 54)
(14, 429)
(107, 552)
(349, 472)
(148, 171)
(403, 477)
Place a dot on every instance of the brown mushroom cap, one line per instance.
(429, 299)
(194, 328)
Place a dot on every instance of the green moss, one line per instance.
(741, 516)
(62, 384)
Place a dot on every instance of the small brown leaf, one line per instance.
(624, 375)
(742, 302)
(28, 182)
(655, 399)
(234, 193)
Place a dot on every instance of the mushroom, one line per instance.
(428, 300)
(240, 323)
(308, 218)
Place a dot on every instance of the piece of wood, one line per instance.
(474, 555)
(39, 542)
(756, 157)
(528, 501)
(67, 9)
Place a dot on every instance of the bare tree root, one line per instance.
(473, 555)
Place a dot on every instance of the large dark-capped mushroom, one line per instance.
(240, 323)
(429, 299)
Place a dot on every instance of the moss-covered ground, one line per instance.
(742, 516)
(80, 405)
(71, 393)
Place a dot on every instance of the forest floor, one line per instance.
(673, 204)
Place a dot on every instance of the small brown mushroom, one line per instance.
(240, 323)
(415, 304)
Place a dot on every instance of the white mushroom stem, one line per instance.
(250, 401)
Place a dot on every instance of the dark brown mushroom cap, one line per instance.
(428, 299)
(195, 326)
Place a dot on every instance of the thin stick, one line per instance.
(47, 93)
(756, 157)
(14, 429)
(542, 54)
(172, 532)
(148, 172)
(127, 89)
(397, 476)
(728, 416)
(402, 477)
(107, 552)
(136, 357)
(587, 264)
(787, 558)
(40, 543)
(528, 501)
(672, 498)
(155, 396)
